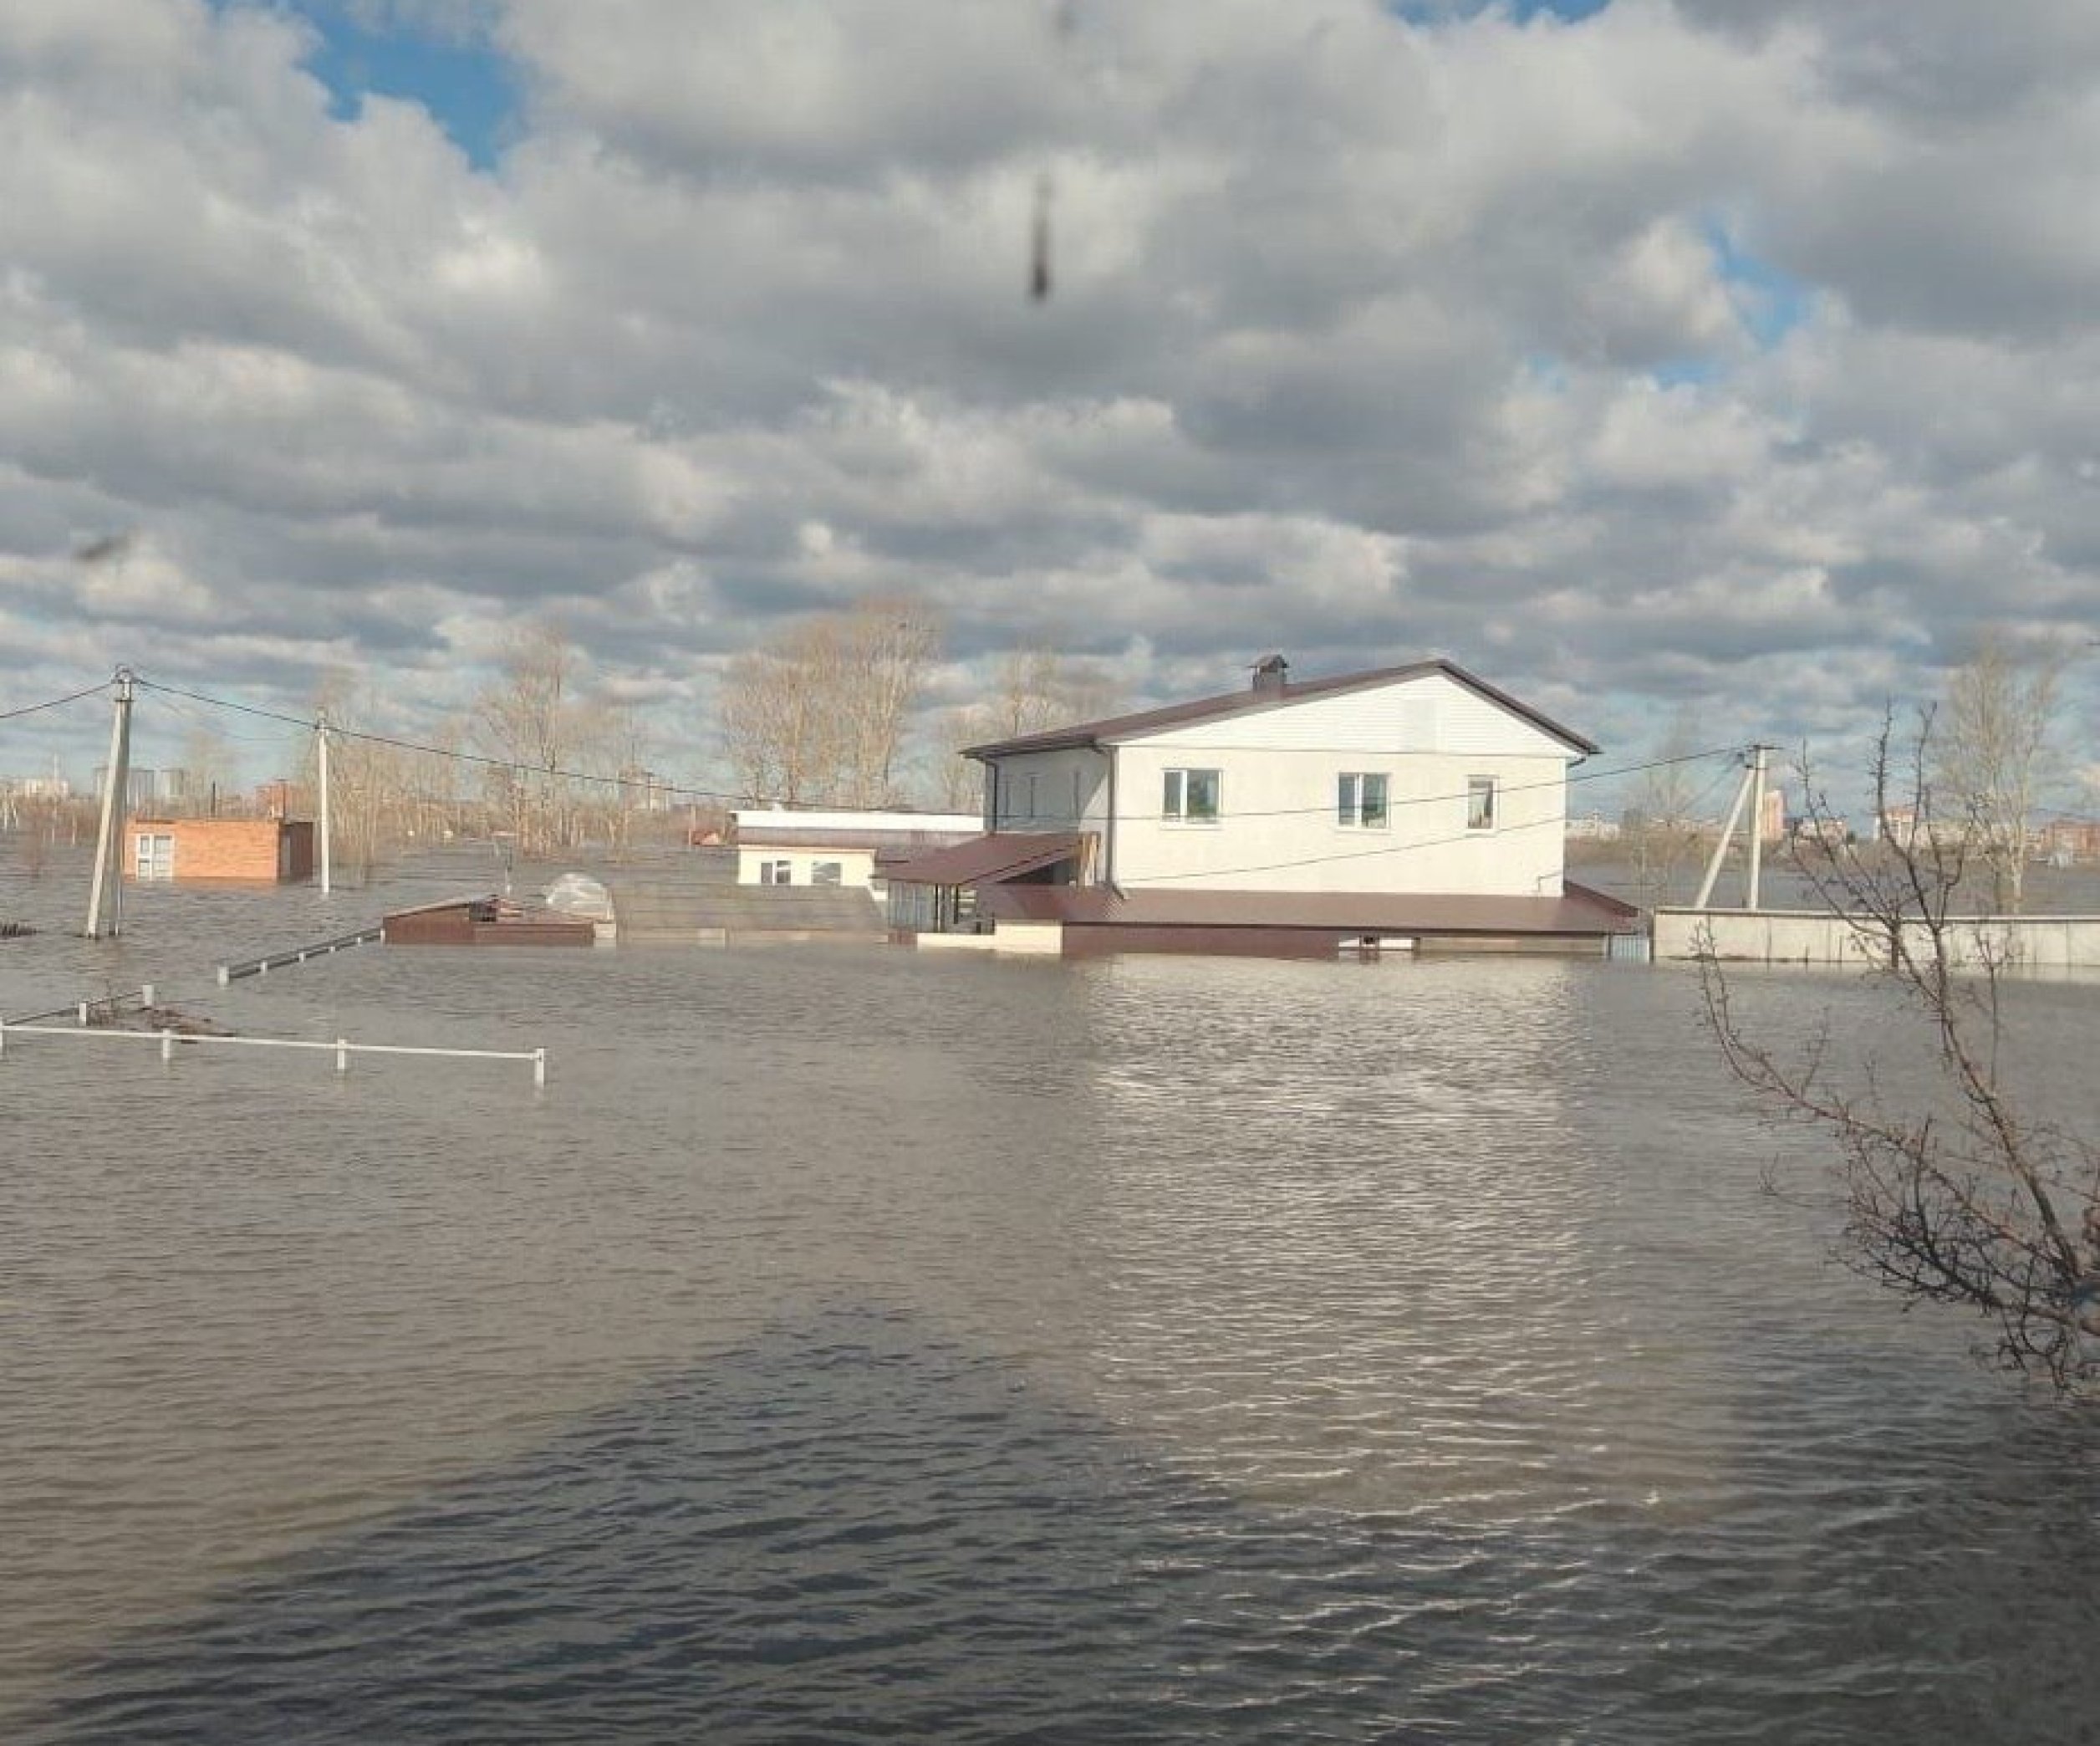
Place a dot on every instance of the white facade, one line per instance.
(1447, 790)
(838, 847)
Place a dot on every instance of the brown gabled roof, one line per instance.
(1116, 728)
(1444, 914)
(983, 860)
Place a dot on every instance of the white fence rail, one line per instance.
(299, 954)
(341, 1048)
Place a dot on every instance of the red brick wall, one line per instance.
(245, 848)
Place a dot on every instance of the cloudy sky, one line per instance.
(1734, 356)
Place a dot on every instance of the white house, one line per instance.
(1412, 804)
(778, 847)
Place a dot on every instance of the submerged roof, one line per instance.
(1114, 729)
(1579, 911)
(983, 860)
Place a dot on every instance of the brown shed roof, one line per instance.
(1249, 701)
(983, 860)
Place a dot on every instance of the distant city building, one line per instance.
(1771, 824)
(53, 787)
(146, 788)
(2070, 839)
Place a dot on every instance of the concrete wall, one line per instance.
(1815, 936)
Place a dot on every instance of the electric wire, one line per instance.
(688, 791)
(1408, 848)
(9, 715)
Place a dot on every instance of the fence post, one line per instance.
(223, 977)
(539, 1068)
(167, 1045)
(342, 1055)
(83, 1020)
(145, 996)
(4, 1036)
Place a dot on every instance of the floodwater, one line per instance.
(850, 1344)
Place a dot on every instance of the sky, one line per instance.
(1729, 363)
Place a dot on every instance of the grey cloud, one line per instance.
(1348, 349)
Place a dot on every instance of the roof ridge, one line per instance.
(1250, 701)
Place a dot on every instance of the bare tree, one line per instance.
(1035, 687)
(532, 721)
(1660, 831)
(365, 774)
(821, 713)
(208, 769)
(1993, 754)
(1959, 1193)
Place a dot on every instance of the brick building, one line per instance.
(269, 850)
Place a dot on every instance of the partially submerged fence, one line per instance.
(342, 1049)
(299, 954)
(1828, 937)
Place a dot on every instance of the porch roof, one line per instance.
(984, 861)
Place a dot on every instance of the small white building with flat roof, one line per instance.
(780, 846)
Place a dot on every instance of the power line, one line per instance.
(8, 715)
(452, 752)
(1345, 854)
(1566, 780)
(685, 791)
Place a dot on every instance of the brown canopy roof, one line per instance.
(1117, 728)
(983, 860)
(1579, 911)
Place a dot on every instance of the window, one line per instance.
(1191, 796)
(155, 853)
(1359, 799)
(1480, 803)
(776, 872)
(826, 872)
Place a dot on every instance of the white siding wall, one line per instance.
(1431, 713)
(1429, 736)
(857, 866)
(1060, 778)
(1278, 829)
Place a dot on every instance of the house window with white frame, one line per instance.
(826, 873)
(1480, 803)
(1192, 796)
(1359, 799)
(155, 853)
(776, 872)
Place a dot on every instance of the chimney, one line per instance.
(1269, 672)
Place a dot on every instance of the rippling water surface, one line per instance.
(850, 1343)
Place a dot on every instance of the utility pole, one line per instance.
(320, 761)
(1757, 754)
(105, 896)
(1751, 788)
